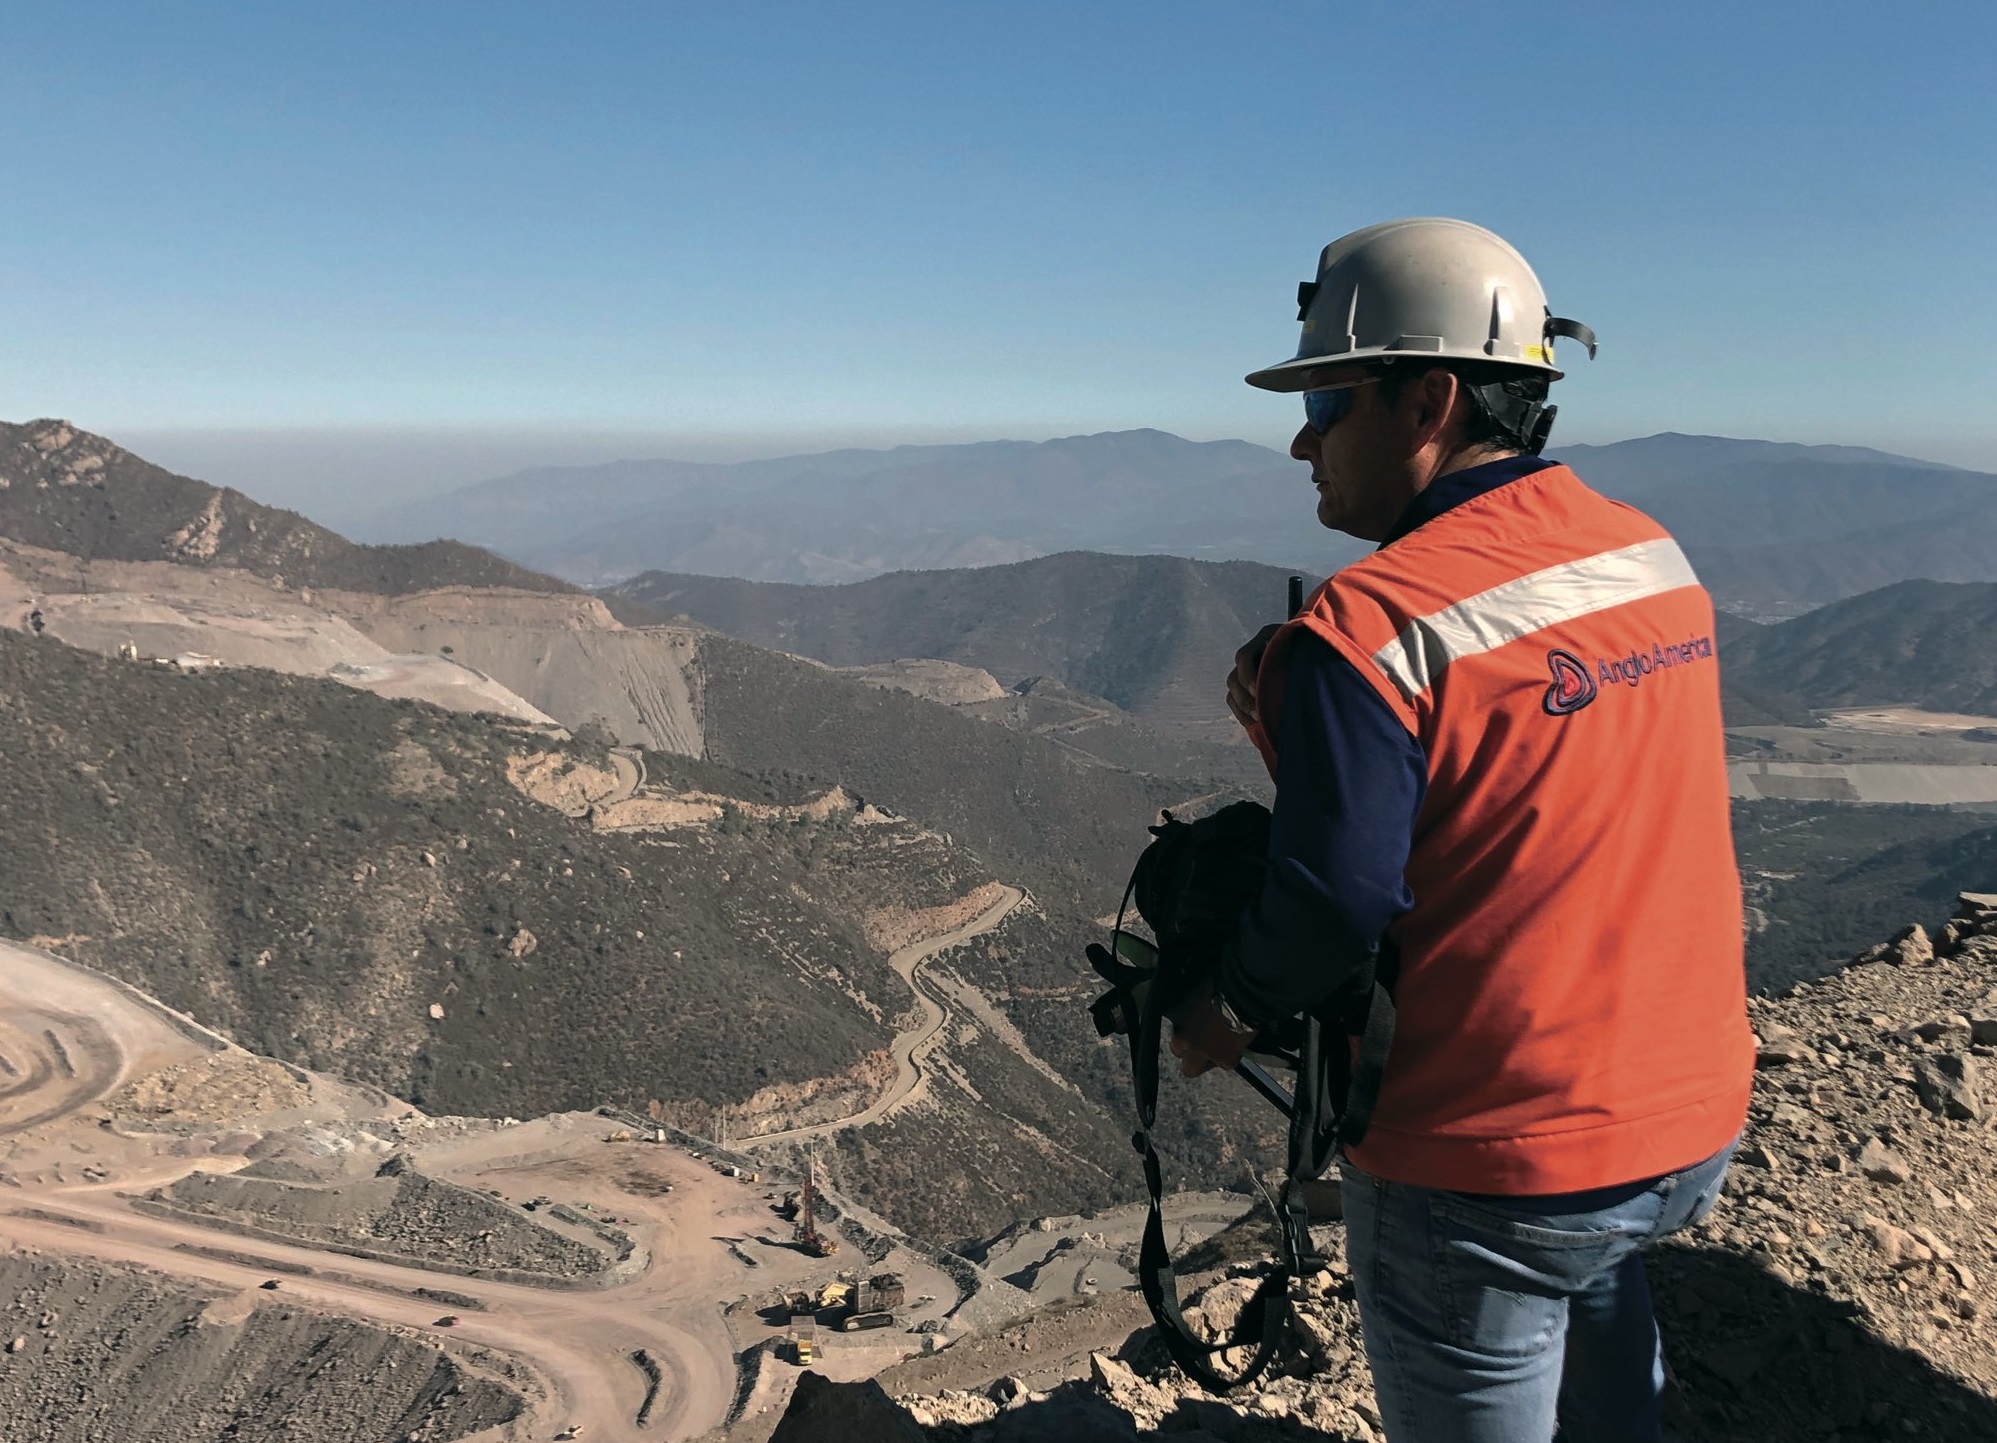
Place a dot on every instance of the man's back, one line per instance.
(1570, 987)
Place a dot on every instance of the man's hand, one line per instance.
(1241, 681)
(1203, 1039)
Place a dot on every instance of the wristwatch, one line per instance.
(1228, 1014)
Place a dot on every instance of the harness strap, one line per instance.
(1331, 1104)
(1134, 1006)
(1260, 1324)
(1370, 1070)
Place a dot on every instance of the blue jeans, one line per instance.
(1494, 1320)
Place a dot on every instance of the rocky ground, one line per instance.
(187, 1363)
(396, 1214)
(1841, 1290)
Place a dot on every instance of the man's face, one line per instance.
(1359, 467)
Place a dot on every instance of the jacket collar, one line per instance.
(1459, 486)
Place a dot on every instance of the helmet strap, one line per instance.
(1525, 424)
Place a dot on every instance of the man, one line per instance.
(1500, 775)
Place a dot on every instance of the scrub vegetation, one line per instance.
(1825, 881)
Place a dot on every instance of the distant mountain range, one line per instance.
(1775, 528)
(847, 515)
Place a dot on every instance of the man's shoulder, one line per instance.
(1550, 513)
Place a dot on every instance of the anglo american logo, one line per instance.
(1575, 684)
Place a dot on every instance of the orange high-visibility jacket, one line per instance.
(1571, 996)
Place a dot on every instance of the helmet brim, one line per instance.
(1310, 373)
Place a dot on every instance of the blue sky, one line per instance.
(762, 225)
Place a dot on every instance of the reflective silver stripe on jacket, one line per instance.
(1491, 619)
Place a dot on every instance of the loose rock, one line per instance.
(1911, 947)
(1950, 1086)
(1880, 1163)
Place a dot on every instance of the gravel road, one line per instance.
(910, 1046)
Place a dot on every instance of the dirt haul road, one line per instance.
(908, 1048)
(71, 1038)
(68, 1036)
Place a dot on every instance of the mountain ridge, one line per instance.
(1776, 526)
(67, 490)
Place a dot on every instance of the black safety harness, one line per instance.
(1190, 886)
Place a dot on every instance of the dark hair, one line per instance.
(1498, 396)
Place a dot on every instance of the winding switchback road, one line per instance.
(908, 1048)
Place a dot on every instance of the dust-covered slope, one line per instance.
(355, 884)
(70, 491)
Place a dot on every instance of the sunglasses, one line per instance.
(1325, 409)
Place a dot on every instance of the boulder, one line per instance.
(1910, 947)
(1897, 1247)
(1976, 910)
(822, 1411)
(1777, 1046)
(1950, 1085)
(1880, 1163)
(1759, 1154)
(1219, 1309)
(1983, 1019)
(1116, 1382)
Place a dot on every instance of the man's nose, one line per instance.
(1304, 446)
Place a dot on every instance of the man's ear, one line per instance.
(1435, 398)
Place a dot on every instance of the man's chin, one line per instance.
(1334, 517)
(1330, 514)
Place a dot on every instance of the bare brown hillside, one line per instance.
(68, 490)
(362, 886)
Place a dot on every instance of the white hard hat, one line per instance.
(1426, 289)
